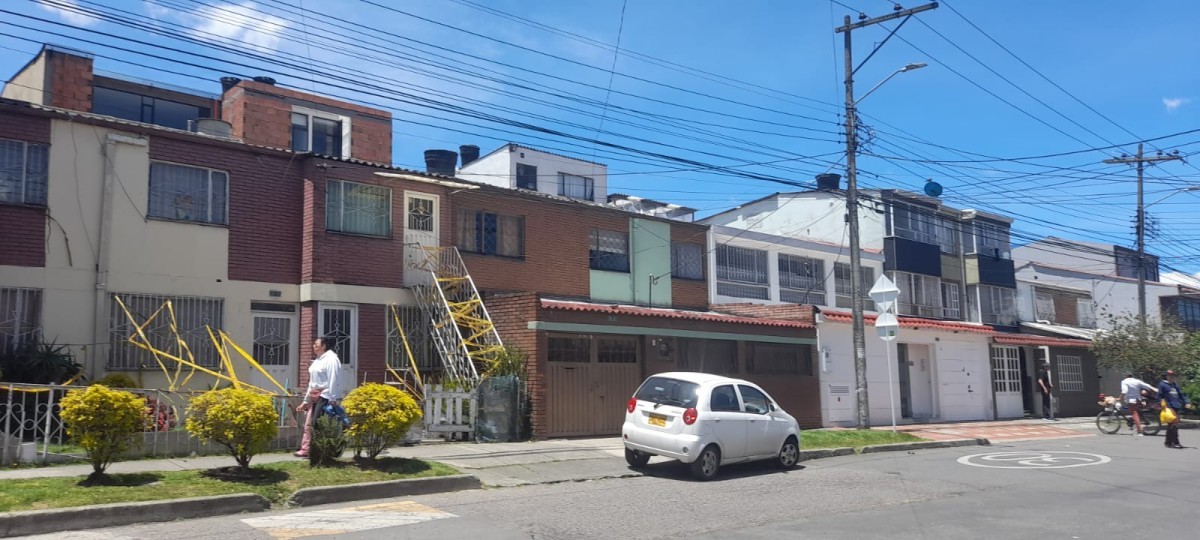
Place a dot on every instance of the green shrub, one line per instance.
(103, 422)
(328, 442)
(240, 420)
(509, 361)
(36, 362)
(380, 416)
(117, 380)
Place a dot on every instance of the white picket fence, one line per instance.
(450, 414)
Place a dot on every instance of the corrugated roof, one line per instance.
(618, 309)
(1029, 339)
(915, 323)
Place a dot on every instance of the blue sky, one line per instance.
(770, 91)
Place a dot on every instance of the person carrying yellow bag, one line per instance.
(1173, 402)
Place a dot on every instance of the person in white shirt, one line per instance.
(322, 387)
(1131, 392)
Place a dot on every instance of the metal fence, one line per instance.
(29, 415)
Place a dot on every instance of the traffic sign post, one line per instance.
(884, 294)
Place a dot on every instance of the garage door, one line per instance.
(589, 380)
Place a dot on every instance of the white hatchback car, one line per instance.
(706, 421)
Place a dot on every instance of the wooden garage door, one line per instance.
(589, 380)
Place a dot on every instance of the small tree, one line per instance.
(380, 416)
(103, 422)
(1150, 349)
(328, 442)
(240, 420)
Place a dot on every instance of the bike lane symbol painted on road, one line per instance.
(1033, 460)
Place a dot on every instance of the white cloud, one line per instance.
(239, 22)
(1174, 103)
(74, 17)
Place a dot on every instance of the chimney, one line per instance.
(265, 80)
(469, 153)
(440, 162)
(229, 82)
(829, 181)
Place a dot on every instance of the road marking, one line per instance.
(343, 520)
(1033, 460)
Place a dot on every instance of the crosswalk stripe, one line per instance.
(342, 520)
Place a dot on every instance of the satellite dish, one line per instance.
(933, 189)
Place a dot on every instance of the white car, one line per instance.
(706, 421)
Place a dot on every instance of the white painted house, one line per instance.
(520, 167)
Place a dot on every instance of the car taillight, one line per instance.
(631, 405)
(689, 416)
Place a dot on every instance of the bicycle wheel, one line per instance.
(1151, 423)
(1108, 422)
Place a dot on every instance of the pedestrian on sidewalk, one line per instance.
(322, 388)
(1047, 388)
(1174, 400)
(1132, 389)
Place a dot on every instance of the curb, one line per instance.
(382, 490)
(114, 515)
(822, 453)
(922, 445)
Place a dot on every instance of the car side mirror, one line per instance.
(771, 406)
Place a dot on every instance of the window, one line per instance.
(182, 193)
(321, 134)
(1070, 373)
(151, 110)
(23, 172)
(573, 349)
(742, 272)
(667, 390)
(1006, 369)
(998, 305)
(616, 350)
(754, 401)
(723, 399)
(609, 250)
(951, 300)
(359, 208)
(947, 235)
(841, 285)
(576, 187)
(272, 339)
(920, 295)
(1086, 311)
(491, 234)
(716, 356)
(777, 358)
(991, 240)
(687, 261)
(20, 317)
(340, 322)
(801, 280)
(914, 223)
(1044, 305)
(420, 344)
(527, 176)
(193, 317)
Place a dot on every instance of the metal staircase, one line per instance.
(459, 323)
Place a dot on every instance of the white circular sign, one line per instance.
(1033, 460)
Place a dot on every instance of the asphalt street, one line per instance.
(1093, 487)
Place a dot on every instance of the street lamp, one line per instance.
(1172, 194)
(856, 302)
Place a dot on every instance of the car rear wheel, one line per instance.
(707, 464)
(789, 454)
(636, 459)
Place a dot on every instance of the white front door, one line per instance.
(1006, 381)
(275, 348)
(421, 230)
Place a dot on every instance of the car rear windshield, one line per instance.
(668, 391)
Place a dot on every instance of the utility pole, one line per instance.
(1141, 160)
(856, 302)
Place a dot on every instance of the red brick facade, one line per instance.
(23, 228)
(512, 314)
(687, 293)
(70, 79)
(261, 114)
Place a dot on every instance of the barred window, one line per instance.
(356, 208)
(183, 193)
(616, 350)
(742, 272)
(420, 341)
(1070, 373)
(491, 234)
(801, 280)
(23, 172)
(687, 261)
(193, 317)
(569, 349)
(842, 285)
(20, 317)
(609, 250)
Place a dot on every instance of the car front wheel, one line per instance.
(707, 464)
(636, 459)
(789, 454)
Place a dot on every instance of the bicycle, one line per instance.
(1110, 419)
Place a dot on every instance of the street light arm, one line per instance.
(1172, 194)
(910, 67)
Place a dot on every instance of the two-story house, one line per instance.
(521, 167)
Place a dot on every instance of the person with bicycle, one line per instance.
(1132, 389)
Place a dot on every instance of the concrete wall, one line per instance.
(491, 169)
(815, 215)
(650, 255)
(29, 84)
(1112, 295)
(496, 169)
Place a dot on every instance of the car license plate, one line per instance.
(657, 420)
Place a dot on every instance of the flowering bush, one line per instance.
(380, 416)
(240, 420)
(103, 421)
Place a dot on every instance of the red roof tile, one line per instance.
(915, 323)
(1029, 339)
(669, 313)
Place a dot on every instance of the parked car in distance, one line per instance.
(707, 421)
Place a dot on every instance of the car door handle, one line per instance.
(717, 420)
